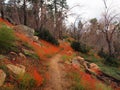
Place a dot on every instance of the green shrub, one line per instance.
(117, 48)
(7, 39)
(34, 56)
(78, 86)
(102, 54)
(101, 86)
(8, 88)
(84, 48)
(65, 58)
(46, 35)
(2, 24)
(111, 61)
(27, 82)
(31, 54)
(48, 55)
(28, 46)
(80, 47)
(4, 68)
(2, 56)
(76, 81)
(75, 46)
(65, 37)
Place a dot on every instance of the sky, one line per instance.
(88, 9)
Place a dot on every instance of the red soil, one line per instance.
(37, 77)
(42, 50)
(86, 80)
(66, 49)
(6, 22)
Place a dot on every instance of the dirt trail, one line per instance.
(57, 80)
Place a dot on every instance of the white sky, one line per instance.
(89, 8)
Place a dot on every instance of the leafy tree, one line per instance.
(93, 21)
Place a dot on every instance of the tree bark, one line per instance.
(109, 43)
(25, 13)
(1, 10)
(2, 14)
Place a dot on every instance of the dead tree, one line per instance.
(109, 19)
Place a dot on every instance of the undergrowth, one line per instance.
(7, 39)
(110, 70)
(31, 54)
(26, 82)
(80, 47)
(46, 35)
(80, 83)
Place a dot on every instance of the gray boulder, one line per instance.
(2, 77)
(25, 29)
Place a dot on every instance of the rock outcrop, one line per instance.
(90, 67)
(25, 29)
(17, 69)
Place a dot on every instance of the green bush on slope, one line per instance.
(27, 82)
(80, 47)
(46, 35)
(7, 39)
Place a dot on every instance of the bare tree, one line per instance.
(78, 30)
(109, 20)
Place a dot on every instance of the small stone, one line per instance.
(35, 38)
(93, 66)
(22, 55)
(80, 59)
(13, 53)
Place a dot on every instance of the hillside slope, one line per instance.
(39, 65)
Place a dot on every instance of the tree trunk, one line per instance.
(42, 15)
(109, 43)
(36, 15)
(55, 20)
(2, 11)
(25, 13)
(109, 48)
(2, 14)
